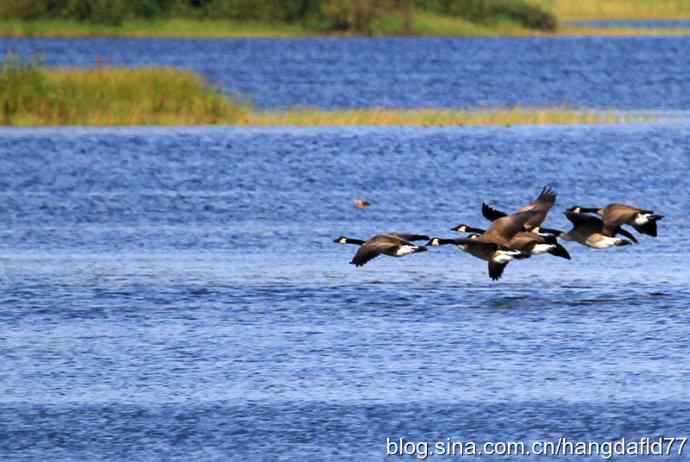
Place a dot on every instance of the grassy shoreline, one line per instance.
(501, 117)
(32, 95)
(423, 25)
(444, 117)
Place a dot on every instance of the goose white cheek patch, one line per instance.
(642, 219)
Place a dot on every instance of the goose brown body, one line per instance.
(540, 208)
(392, 245)
(590, 231)
(644, 221)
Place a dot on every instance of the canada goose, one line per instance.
(610, 230)
(393, 245)
(540, 206)
(497, 256)
(527, 242)
(615, 215)
(503, 229)
(361, 203)
(589, 230)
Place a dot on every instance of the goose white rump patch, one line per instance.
(505, 256)
(542, 248)
(405, 250)
(603, 243)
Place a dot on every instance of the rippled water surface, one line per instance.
(618, 73)
(174, 294)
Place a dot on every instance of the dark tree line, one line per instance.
(347, 15)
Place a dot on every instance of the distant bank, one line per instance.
(339, 18)
(425, 25)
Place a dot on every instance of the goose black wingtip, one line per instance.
(560, 251)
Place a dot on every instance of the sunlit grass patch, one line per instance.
(585, 10)
(570, 31)
(34, 95)
(441, 117)
(431, 24)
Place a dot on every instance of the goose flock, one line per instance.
(520, 235)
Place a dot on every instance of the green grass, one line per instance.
(423, 24)
(143, 28)
(436, 25)
(31, 95)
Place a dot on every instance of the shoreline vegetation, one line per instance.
(429, 117)
(335, 18)
(32, 95)
(424, 25)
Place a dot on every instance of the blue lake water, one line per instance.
(618, 73)
(174, 293)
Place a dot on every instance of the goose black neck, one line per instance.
(555, 232)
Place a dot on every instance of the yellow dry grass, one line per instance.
(440, 117)
(587, 10)
(33, 96)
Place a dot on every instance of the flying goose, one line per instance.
(615, 215)
(527, 242)
(540, 206)
(497, 256)
(503, 229)
(392, 244)
(590, 231)
(493, 245)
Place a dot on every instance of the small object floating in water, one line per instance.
(361, 203)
